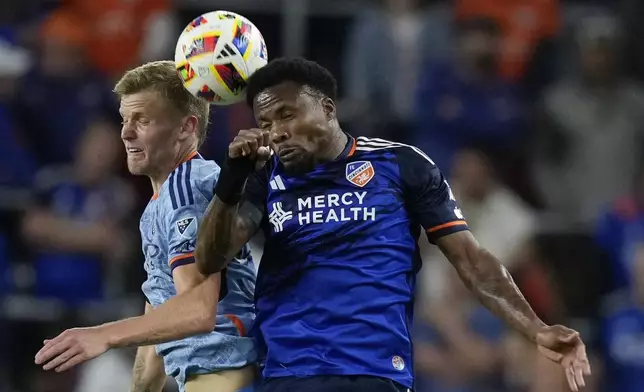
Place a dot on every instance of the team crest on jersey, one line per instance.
(184, 224)
(397, 362)
(360, 173)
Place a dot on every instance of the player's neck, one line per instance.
(336, 146)
(162, 175)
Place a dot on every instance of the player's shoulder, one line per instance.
(202, 170)
(191, 183)
(405, 154)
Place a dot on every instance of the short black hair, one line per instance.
(298, 70)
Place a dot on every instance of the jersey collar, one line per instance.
(349, 149)
(193, 155)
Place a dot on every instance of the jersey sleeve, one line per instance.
(427, 194)
(182, 227)
(186, 204)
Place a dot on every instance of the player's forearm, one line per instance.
(188, 314)
(229, 222)
(223, 233)
(215, 239)
(484, 275)
(148, 374)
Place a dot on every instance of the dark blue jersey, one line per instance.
(335, 290)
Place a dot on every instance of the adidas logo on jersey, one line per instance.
(277, 183)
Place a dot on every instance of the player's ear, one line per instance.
(189, 127)
(329, 108)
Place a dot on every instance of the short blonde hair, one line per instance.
(162, 77)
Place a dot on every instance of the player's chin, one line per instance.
(136, 168)
(294, 166)
(297, 163)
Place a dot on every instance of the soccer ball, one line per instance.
(216, 54)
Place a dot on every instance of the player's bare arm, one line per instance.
(482, 273)
(493, 285)
(181, 316)
(176, 319)
(148, 374)
(225, 230)
(186, 277)
(231, 222)
(431, 200)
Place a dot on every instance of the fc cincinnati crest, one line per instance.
(183, 224)
(360, 173)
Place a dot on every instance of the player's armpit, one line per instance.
(223, 233)
(148, 373)
(482, 273)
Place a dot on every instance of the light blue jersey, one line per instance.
(169, 231)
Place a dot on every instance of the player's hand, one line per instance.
(252, 143)
(565, 347)
(72, 347)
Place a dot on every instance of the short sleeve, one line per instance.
(181, 230)
(428, 197)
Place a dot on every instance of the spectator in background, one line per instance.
(61, 95)
(124, 34)
(17, 165)
(457, 346)
(384, 57)
(224, 124)
(620, 233)
(79, 223)
(623, 332)
(498, 218)
(464, 103)
(590, 136)
(524, 27)
(631, 16)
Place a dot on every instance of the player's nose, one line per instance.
(279, 135)
(127, 132)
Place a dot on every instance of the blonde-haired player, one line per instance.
(163, 126)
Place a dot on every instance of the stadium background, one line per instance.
(534, 109)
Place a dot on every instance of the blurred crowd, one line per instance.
(534, 109)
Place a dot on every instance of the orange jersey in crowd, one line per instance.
(116, 29)
(523, 23)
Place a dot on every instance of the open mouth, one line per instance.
(134, 151)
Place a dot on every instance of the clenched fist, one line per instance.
(252, 143)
